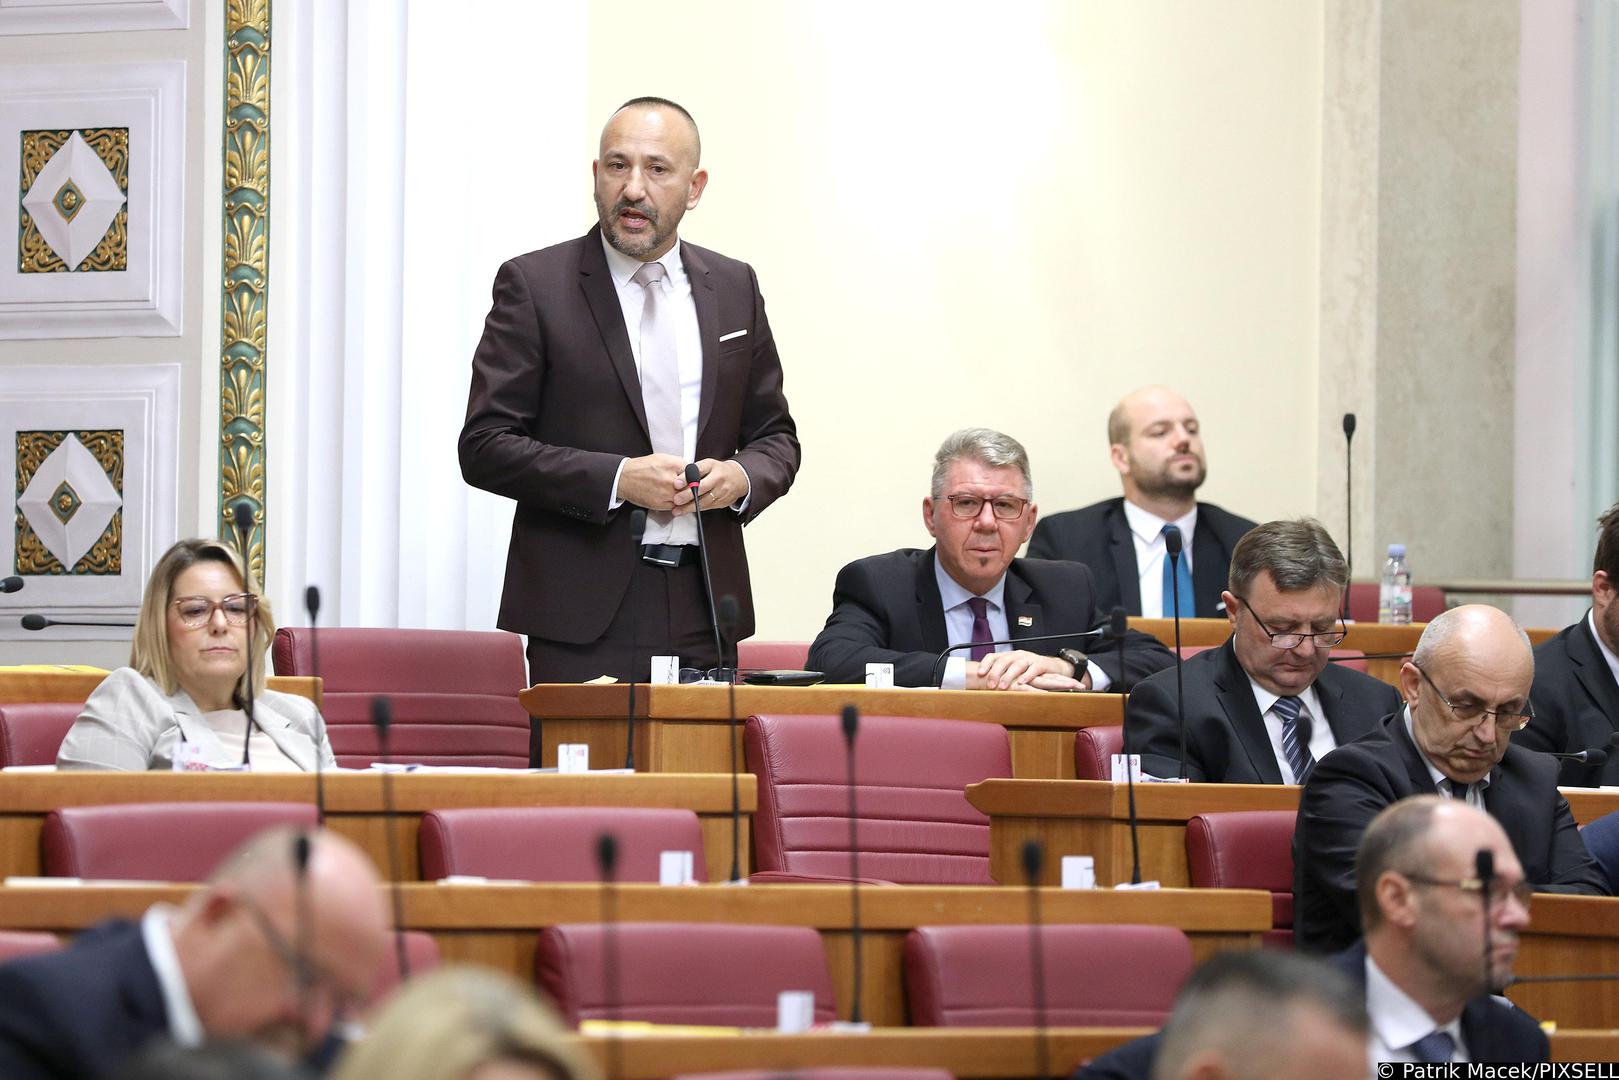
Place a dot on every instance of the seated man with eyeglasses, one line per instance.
(1266, 706)
(1466, 690)
(906, 607)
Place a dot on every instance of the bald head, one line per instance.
(1467, 686)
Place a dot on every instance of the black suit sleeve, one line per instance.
(1155, 733)
(1341, 799)
(29, 1047)
(1571, 868)
(1043, 544)
(857, 633)
(1144, 655)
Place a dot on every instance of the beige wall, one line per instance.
(1006, 221)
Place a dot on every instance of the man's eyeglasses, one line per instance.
(1004, 507)
(1499, 890)
(1470, 712)
(195, 611)
(1325, 639)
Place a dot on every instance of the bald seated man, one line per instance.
(229, 963)
(1157, 448)
(1466, 690)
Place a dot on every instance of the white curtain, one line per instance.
(1597, 360)
(415, 146)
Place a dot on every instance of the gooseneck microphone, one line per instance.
(1120, 622)
(10, 584)
(1349, 507)
(1033, 856)
(382, 719)
(312, 606)
(728, 617)
(1590, 756)
(304, 934)
(694, 481)
(851, 727)
(35, 621)
(1172, 548)
(938, 661)
(607, 864)
(1484, 870)
(637, 533)
(243, 519)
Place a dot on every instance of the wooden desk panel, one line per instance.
(498, 925)
(685, 728)
(21, 686)
(354, 803)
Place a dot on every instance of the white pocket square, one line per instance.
(732, 334)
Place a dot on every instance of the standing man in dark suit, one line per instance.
(1157, 447)
(1267, 705)
(905, 607)
(607, 364)
(1466, 691)
(265, 953)
(1576, 692)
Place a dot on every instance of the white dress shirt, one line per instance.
(1147, 530)
(1322, 742)
(1398, 1021)
(184, 1026)
(958, 626)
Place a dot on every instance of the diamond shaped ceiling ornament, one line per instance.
(73, 467)
(73, 201)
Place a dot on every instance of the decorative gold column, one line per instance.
(244, 296)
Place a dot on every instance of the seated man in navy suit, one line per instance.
(266, 953)
(904, 608)
(1264, 707)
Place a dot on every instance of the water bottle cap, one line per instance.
(1396, 551)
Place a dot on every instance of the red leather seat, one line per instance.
(31, 733)
(157, 841)
(1096, 976)
(453, 692)
(555, 843)
(683, 973)
(1246, 849)
(772, 655)
(1094, 748)
(1365, 598)
(916, 826)
(16, 944)
(421, 954)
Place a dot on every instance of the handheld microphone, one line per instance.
(1172, 549)
(1589, 756)
(607, 864)
(1484, 870)
(694, 481)
(637, 533)
(382, 719)
(938, 661)
(851, 726)
(1349, 507)
(1120, 621)
(1033, 856)
(728, 618)
(35, 621)
(10, 584)
(312, 606)
(243, 518)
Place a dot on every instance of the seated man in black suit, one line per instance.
(1466, 691)
(1157, 447)
(1420, 967)
(259, 955)
(1576, 691)
(1266, 706)
(904, 608)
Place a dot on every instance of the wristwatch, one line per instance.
(1075, 657)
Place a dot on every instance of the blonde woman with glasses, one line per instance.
(184, 700)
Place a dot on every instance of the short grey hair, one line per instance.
(1299, 554)
(1444, 626)
(1397, 840)
(983, 445)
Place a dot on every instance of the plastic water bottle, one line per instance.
(1394, 598)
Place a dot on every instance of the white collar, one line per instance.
(1397, 1019)
(623, 267)
(1307, 697)
(1434, 774)
(157, 933)
(1602, 646)
(953, 594)
(1148, 527)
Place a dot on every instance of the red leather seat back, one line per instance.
(1246, 849)
(31, 733)
(1427, 601)
(915, 824)
(1096, 976)
(157, 841)
(772, 655)
(421, 954)
(16, 944)
(453, 692)
(684, 973)
(1094, 748)
(555, 843)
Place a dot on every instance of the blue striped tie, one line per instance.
(1298, 754)
(1434, 1048)
(1178, 580)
